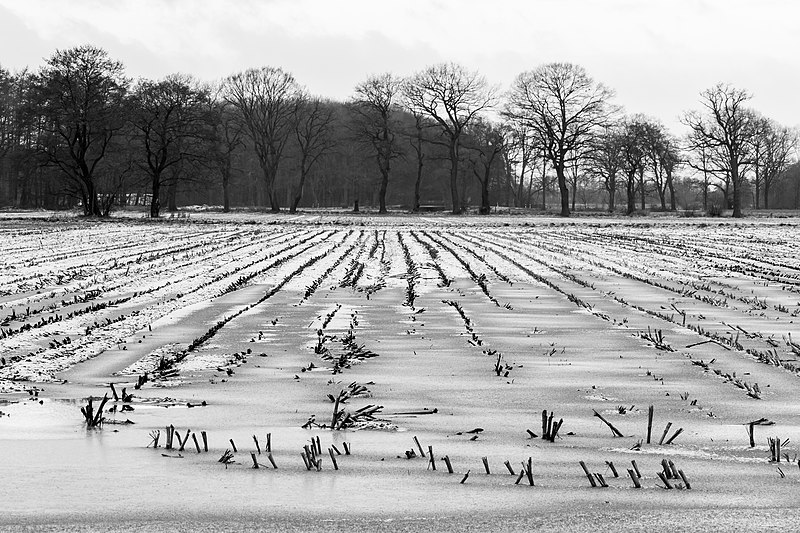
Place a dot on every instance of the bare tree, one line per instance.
(417, 140)
(773, 146)
(487, 142)
(81, 98)
(227, 137)
(633, 146)
(727, 127)
(170, 118)
(267, 99)
(520, 155)
(374, 105)
(563, 106)
(663, 157)
(606, 157)
(313, 134)
(452, 97)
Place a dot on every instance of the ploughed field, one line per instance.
(284, 343)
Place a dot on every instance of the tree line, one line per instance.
(79, 132)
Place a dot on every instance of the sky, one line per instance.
(656, 54)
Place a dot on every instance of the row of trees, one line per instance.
(79, 131)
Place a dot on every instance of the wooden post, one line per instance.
(614, 430)
(196, 444)
(205, 441)
(664, 435)
(600, 479)
(529, 471)
(510, 470)
(432, 459)
(521, 475)
(673, 470)
(268, 446)
(346, 448)
(635, 479)
(170, 435)
(486, 464)
(636, 469)
(319, 446)
(419, 446)
(333, 459)
(272, 461)
(447, 463)
(465, 477)
(186, 438)
(544, 424)
(685, 481)
(550, 427)
(649, 422)
(556, 427)
(233, 446)
(664, 480)
(750, 433)
(253, 457)
(613, 468)
(665, 468)
(336, 449)
(335, 412)
(588, 474)
(305, 460)
(258, 446)
(675, 436)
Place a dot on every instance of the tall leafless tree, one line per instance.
(81, 99)
(171, 119)
(773, 147)
(268, 100)
(452, 97)
(633, 145)
(728, 127)
(227, 138)
(374, 105)
(487, 143)
(564, 107)
(606, 157)
(315, 120)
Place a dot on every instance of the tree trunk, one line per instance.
(612, 192)
(673, 206)
(574, 193)
(299, 196)
(417, 184)
(737, 192)
(766, 194)
(631, 190)
(91, 197)
(172, 196)
(383, 187)
(641, 188)
(155, 202)
(486, 207)
(562, 186)
(454, 177)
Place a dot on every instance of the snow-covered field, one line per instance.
(461, 331)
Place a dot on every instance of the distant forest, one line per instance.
(79, 133)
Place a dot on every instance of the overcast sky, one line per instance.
(656, 54)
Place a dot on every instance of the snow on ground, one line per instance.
(698, 318)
